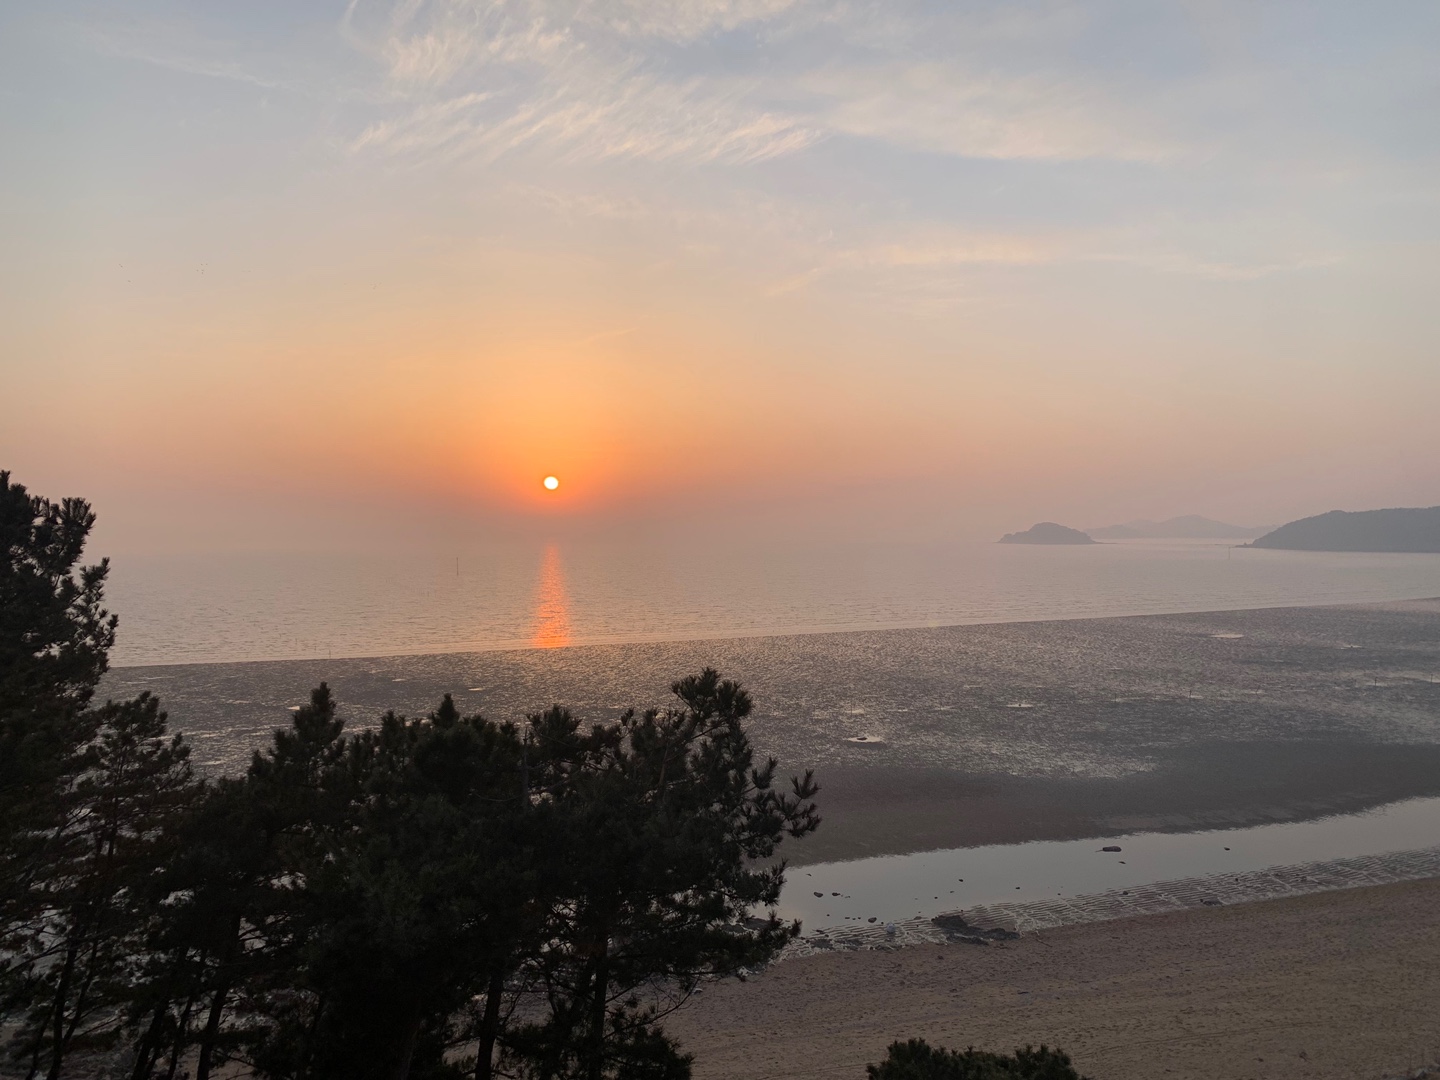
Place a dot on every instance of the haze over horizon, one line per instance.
(326, 274)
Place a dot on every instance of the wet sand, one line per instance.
(977, 734)
(1340, 984)
(893, 810)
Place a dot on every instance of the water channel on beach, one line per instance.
(928, 883)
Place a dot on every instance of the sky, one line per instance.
(293, 273)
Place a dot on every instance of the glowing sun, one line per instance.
(551, 483)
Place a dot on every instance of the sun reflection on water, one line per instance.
(552, 606)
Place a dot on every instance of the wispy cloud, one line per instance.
(636, 117)
(921, 257)
(428, 43)
(534, 76)
(686, 20)
(945, 263)
(935, 107)
(1176, 262)
(544, 88)
(974, 250)
(161, 47)
(585, 204)
(426, 127)
(632, 78)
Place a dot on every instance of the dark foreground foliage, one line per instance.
(918, 1060)
(438, 897)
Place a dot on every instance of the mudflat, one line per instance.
(965, 735)
(1342, 984)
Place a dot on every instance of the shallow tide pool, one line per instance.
(928, 883)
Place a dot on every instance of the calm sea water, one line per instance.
(218, 608)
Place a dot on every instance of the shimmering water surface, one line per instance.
(1035, 712)
(1091, 698)
(194, 609)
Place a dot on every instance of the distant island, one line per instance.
(1186, 527)
(1400, 529)
(1047, 532)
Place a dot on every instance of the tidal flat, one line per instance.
(960, 736)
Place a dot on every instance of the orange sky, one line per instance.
(401, 263)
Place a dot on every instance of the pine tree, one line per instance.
(55, 637)
(93, 940)
(916, 1059)
(667, 834)
(88, 796)
(237, 934)
(209, 882)
(419, 891)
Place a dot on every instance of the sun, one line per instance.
(551, 483)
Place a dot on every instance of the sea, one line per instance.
(223, 608)
(1169, 693)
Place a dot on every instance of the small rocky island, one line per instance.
(1399, 529)
(1047, 532)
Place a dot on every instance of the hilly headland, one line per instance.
(1401, 529)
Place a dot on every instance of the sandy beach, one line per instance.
(1341, 984)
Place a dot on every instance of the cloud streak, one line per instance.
(535, 75)
(949, 261)
(932, 106)
(632, 117)
(642, 80)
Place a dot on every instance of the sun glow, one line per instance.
(551, 483)
(552, 607)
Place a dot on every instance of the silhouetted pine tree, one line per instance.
(667, 829)
(228, 952)
(916, 1059)
(378, 905)
(54, 640)
(87, 796)
(419, 890)
(95, 934)
(209, 883)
